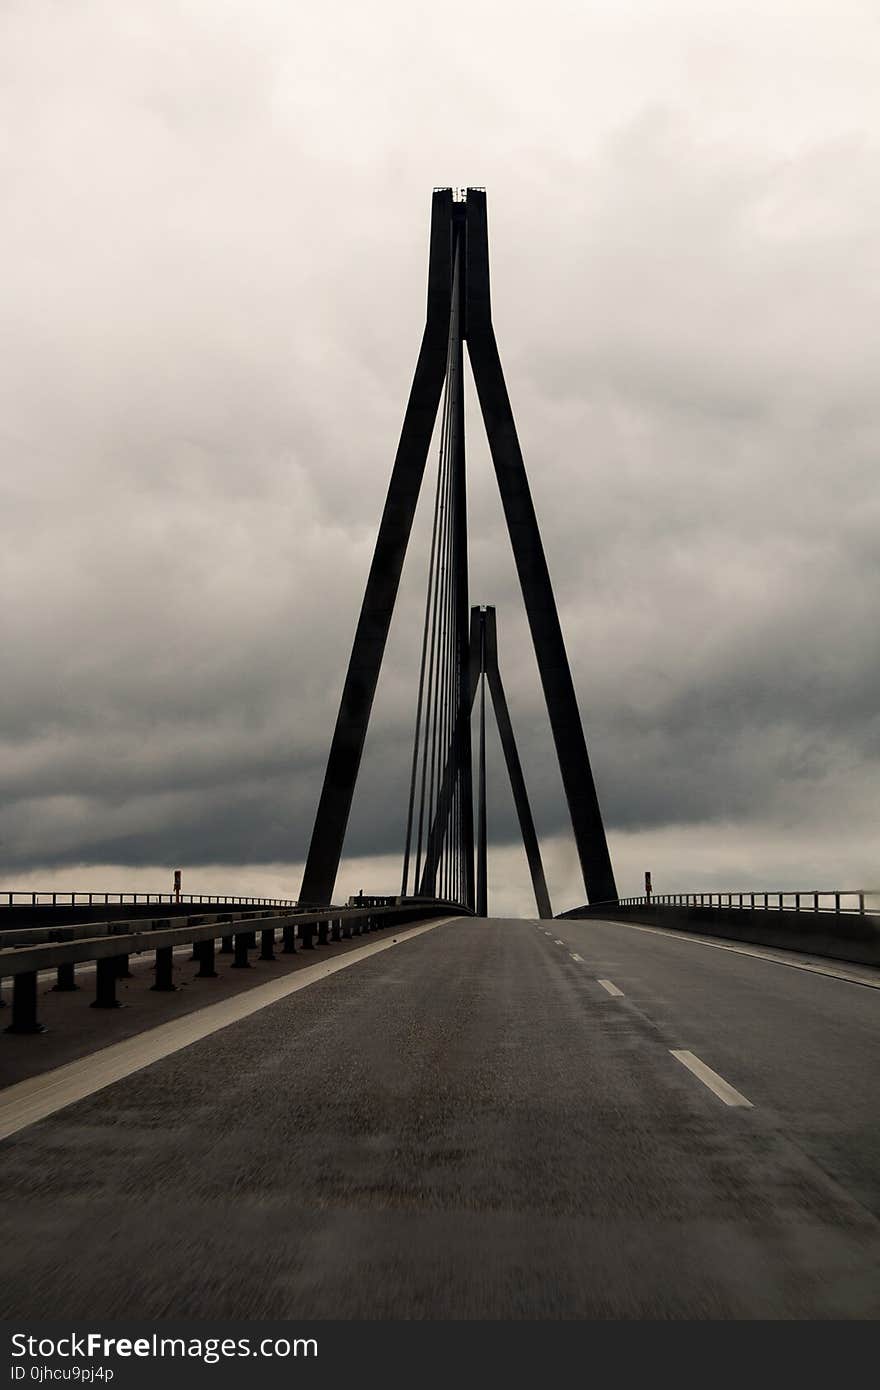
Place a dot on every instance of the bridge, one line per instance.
(401, 1107)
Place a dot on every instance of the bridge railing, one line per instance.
(111, 944)
(16, 897)
(828, 900)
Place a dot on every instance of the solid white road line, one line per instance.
(611, 988)
(721, 1088)
(28, 1101)
(815, 965)
(575, 956)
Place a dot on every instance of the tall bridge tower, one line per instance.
(439, 852)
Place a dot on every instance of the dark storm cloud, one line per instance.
(216, 267)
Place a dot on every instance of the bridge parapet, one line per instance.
(838, 924)
(834, 900)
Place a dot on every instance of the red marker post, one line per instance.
(177, 885)
(648, 889)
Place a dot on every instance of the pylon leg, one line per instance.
(325, 848)
(514, 768)
(531, 564)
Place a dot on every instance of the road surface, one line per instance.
(491, 1119)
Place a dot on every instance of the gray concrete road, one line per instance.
(470, 1125)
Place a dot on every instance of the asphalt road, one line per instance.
(469, 1125)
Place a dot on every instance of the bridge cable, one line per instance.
(434, 805)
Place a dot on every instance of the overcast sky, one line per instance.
(214, 254)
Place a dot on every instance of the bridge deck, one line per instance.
(471, 1125)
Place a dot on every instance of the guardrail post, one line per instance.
(64, 979)
(267, 944)
(24, 1005)
(205, 951)
(862, 904)
(288, 937)
(307, 935)
(346, 929)
(164, 970)
(323, 928)
(336, 930)
(242, 942)
(122, 970)
(106, 975)
(836, 902)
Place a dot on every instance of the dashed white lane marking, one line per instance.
(721, 1088)
(575, 956)
(558, 943)
(611, 988)
(28, 1101)
(548, 933)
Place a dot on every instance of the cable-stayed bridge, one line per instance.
(399, 1106)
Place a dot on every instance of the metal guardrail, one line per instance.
(238, 935)
(831, 901)
(68, 898)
